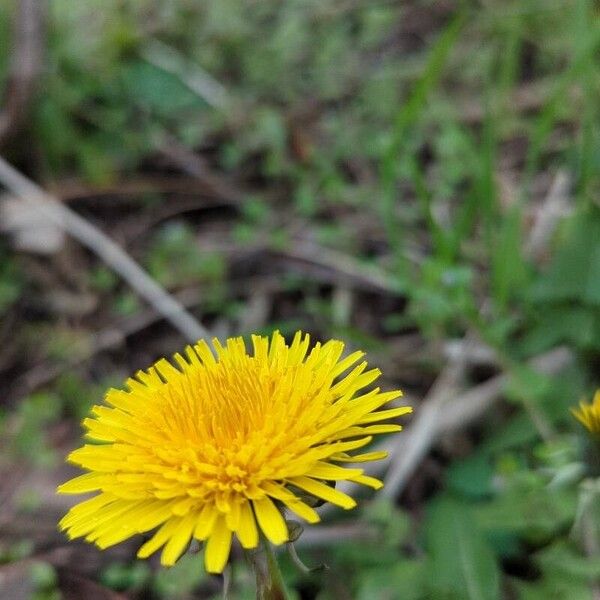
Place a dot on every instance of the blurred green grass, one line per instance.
(420, 138)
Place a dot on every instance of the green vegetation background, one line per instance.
(377, 171)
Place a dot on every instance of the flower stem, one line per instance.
(269, 582)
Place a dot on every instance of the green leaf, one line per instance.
(10, 283)
(509, 272)
(565, 322)
(534, 514)
(518, 431)
(566, 573)
(394, 524)
(178, 581)
(563, 558)
(553, 588)
(461, 565)
(574, 274)
(524, 382)
(407, 116)
(156, 90)
(43, 576)
(119, 576)
(471, 477)
(403, 580)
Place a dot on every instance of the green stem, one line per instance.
(269, 582)
(277, 583)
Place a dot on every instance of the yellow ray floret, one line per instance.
(589, 414)
(220, 445)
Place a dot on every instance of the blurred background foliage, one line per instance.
(403, 175)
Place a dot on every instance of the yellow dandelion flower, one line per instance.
(221, 445)
(589, 414)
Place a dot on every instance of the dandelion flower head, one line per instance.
(221, 445)
(589, 414)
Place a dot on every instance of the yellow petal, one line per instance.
(156, 514)
(323, 470)
(218, 547)
(367, 403)
(85, 510)
(206, 522)
(89, 482)
(323, 491)
(372, 482)
(166, 370)
(159, 538)
(355, 381)
(182, 507)
(334, 447)
(310, 515)
(93, 527)
(119, 528)
(113, 536)
(292, 502)
(179, 541)
(347, 363)
(380, 415)
(232, 518)
(205, 353)
(359, 458)
(379, 429)
(247, 531)
(271, 520)
(368, 430)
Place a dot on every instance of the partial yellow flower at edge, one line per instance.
(220, 445)
(589, 414)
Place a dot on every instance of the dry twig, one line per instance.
(194, 165)
(25, 64)
(556, 206)
(466, 409)
(424, 427)
(348, 268)
(323, 535)
(114, 256)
